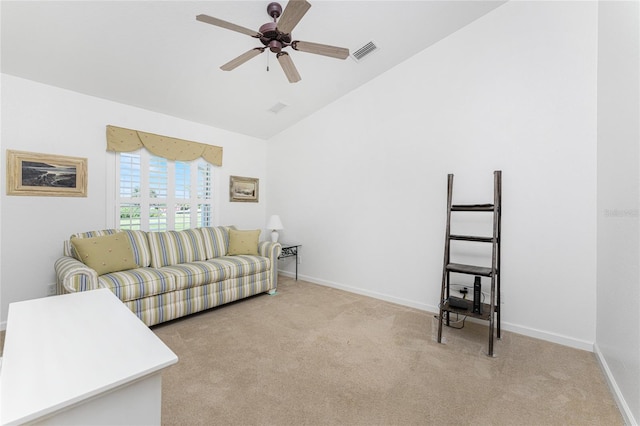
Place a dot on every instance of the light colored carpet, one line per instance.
(313, 355)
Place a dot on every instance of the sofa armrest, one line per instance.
(73, 276)
(272, 251)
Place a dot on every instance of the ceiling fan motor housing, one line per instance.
(272, 38)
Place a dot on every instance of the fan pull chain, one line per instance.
(268, 61)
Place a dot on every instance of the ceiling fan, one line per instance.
(276, 36)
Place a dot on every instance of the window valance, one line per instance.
(120, 139)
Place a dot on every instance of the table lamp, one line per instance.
(275, 224)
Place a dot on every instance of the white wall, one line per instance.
(45, 119)
(618, 325)
(362, 183)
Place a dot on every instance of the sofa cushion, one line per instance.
(106, 253)
(138, 283)
(243, 242)
(243, 265)
(195, 274)
(216, 240)
(174, 247)
(167, 306)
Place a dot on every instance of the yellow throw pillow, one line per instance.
(107, 253)
(243, 242)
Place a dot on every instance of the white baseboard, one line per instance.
(356, 290)
(3, 325)
(514, 328)
(629, 419)
(549, 337)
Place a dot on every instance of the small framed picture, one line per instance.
(30, 173)
(243, 189)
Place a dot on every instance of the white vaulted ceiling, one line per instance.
(155, 55)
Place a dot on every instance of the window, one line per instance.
(156, 194)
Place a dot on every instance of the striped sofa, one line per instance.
(177, 273)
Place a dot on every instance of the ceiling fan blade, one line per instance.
(293, 13)
(287, 66)
(234, 63)
(228, 25)
(321, 49)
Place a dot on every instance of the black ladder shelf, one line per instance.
(489, 311)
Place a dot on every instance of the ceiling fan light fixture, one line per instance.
(275, 46)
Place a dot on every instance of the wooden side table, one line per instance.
(290, 250)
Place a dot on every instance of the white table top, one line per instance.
(61, 350)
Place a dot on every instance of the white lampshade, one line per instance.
(274, 223)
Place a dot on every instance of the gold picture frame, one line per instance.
(244, 189)
(30, 173)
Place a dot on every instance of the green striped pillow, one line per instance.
(175, 247)
(216, 240)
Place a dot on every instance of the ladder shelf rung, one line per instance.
(472, 208)
(485, 315)
(471, 238)
(469, 269)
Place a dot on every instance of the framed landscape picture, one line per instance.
(243, 189)
(30, 173)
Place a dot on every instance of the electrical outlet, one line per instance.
(51, 290)
(299, 259)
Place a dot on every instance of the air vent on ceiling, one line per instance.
(366, 50)
(278, 107)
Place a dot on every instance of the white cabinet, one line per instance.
(81, 358)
